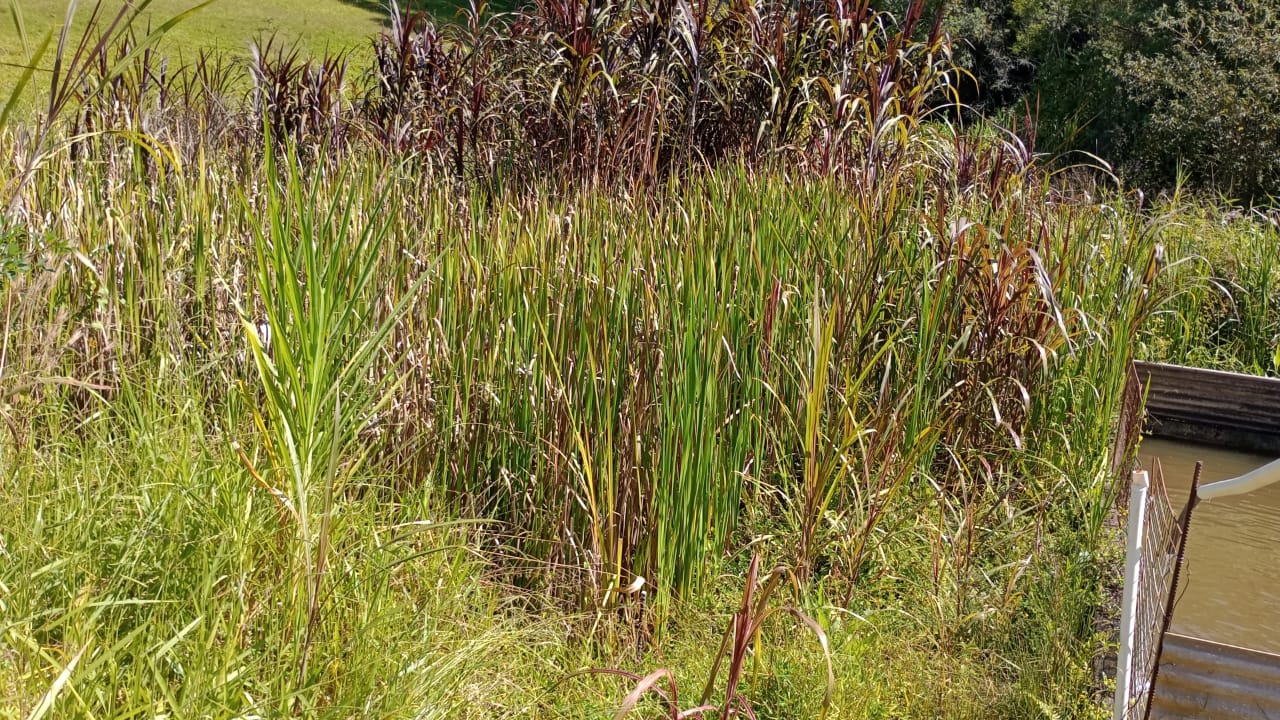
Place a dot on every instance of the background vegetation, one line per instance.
(590, 360)
(1158, 89)
(228, 27)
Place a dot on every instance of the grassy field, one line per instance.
(545, 373)
(229, 26)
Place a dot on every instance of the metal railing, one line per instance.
(1153, 549)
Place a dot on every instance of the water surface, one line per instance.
(1230, 588)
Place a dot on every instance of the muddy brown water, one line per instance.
(1230, 590)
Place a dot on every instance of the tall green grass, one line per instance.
(612, 389)
(314, 425)
(1221, 308)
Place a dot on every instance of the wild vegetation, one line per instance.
(597, 359)
(1168, 92)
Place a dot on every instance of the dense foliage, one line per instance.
(1157, 88)
(468, 382)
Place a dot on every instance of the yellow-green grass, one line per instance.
(226, 25)
(139, 524)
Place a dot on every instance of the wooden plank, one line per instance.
(1210, 406)
(1200, 679)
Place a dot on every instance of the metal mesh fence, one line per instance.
(1159, 555)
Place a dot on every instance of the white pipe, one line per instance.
(1138, 485)
(1247, 482)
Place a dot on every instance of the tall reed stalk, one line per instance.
(316, 253)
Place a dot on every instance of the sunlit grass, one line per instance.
(310, 424)
(230, 26)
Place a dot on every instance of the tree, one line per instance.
(1149, 85)
(1208, 84)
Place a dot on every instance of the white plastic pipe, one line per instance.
(1247, 482)
(1138, 486)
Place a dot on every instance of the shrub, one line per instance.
(1208, 85)
(1150, 87)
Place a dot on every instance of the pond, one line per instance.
(1230, 588)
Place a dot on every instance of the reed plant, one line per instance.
(624, 412)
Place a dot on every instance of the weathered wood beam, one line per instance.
(1214, 407)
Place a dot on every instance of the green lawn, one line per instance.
(229, 25)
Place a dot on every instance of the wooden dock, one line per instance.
(1241, 412)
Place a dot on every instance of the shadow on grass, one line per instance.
(441, 10)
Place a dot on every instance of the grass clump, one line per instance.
(1222, 308)
(601, 402)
